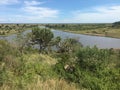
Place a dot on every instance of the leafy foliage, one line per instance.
(42, 36)
(90, 70)
(93, 58)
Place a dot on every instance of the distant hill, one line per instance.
(116, 24)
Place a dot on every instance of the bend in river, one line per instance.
(86, 40)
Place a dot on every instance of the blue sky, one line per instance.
(59, 11)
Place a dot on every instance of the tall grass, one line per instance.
(51, 84)
(31, 72)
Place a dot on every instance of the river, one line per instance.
(86, 40)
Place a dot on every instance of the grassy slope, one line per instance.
(39, 75)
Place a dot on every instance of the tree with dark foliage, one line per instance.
(42, 36)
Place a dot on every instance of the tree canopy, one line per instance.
(42, 36)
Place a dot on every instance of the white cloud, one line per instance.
(41, 11)
(26, 19)
(98, 15)
(8, 2)
(31, 12)
(32, 3)
(33, 8)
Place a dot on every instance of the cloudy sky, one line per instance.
(59, 11)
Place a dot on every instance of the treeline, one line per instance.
(24, 67)
(76, 27)
(116, 24)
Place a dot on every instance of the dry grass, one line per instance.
(115, 33)
(40, 57)
(38, 83)
(6, 33)
(52, 84)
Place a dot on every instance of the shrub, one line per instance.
(92, 58)
(89, 70)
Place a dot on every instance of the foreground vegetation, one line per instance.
(56, 64)
(107, 30)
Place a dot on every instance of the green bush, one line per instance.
(90, 70)
(93, 58)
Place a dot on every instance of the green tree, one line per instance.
(41, 36)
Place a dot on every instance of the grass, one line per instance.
(39, 75)
(46, 59)
(105, 32)
(51, 84)
(35, 73)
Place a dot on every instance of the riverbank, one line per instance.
(9, 29)
(106, 30)
(113, 33)
(6, 33)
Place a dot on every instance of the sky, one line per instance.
(59, 11)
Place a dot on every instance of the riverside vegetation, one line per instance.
(7, 29)
(57, 64)
(107, 30)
